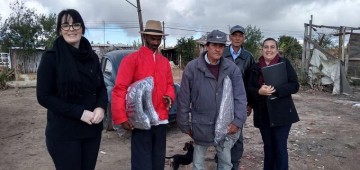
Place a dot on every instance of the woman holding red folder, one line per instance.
(275, 116)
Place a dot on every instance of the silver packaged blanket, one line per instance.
(226, 115)
(139, 107)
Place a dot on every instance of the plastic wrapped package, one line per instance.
(139, 107)
(134, 106)
(148, 105)
(226, 113)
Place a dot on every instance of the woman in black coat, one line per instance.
(273, 115)
(71, 87)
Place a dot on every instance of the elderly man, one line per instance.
(147, 146)
(201, 94)
(243, 59)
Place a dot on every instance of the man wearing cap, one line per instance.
(243, 59)
(200, 97)
(147, 146)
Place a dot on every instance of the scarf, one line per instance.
(263, 64)
(69, 77)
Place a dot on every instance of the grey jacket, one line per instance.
(244, 61)
(200, 96)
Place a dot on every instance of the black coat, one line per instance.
(63, 115)
(244, 61)
(279, 111)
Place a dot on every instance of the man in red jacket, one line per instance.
(147, 146)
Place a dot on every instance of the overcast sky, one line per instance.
(185, 18)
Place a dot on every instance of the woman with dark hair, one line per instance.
(71, 87)
(273, 115)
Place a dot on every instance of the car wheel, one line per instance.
(107, 121)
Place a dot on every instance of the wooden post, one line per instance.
(346, 57)
(341, 42)
(304, 50)
(308, 56)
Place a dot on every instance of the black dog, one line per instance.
(183, 159)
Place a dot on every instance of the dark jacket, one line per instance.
(279, 111)
(63, 114)
(200, 94)
(244, 61)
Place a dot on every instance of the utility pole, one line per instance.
(104, 31)
(164, 37)
(140, 20)
(138, 7)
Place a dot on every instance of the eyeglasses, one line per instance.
(66, 27)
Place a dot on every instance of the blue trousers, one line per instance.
(223, 153)
(236, 152)
(148, 148)
(275, 147)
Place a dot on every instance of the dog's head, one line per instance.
(188, 145)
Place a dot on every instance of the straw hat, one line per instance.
(153, 27)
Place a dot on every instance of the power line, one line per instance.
(184, 29)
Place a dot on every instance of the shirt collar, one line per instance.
(233, 53)
(208, 61)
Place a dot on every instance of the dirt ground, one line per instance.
(327, 137)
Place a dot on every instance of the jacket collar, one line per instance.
(227, 53)
(224, 65)
(148, 51)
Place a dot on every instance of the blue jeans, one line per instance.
(223, 153)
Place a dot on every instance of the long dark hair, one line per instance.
(75, 15)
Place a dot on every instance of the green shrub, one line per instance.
(6, 75)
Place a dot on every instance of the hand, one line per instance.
(127, 125)
(232, 129)
(248, 110)
(168, 102)
(87, 116)
(266, 90)
(98, 115)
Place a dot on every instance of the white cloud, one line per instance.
(184, 17)
(38, 6)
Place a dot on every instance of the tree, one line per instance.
(253, 40)
(21, 28)
(26, 29)
(136, 44)
(291, 49)
(48, 30)
(290, 46)
(0, 21)
(186, 48)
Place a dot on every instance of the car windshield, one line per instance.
(108, 67)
